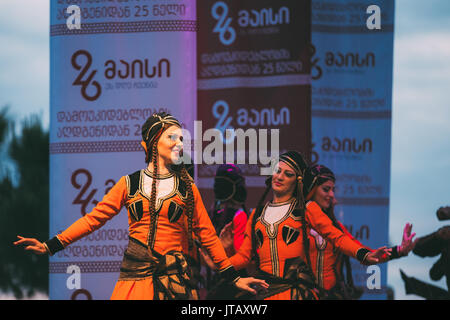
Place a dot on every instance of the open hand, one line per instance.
(407, 241)
(376, 256)
(245, 284)
(31, 244)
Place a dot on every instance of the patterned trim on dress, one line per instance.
(273, 236)
(278, 204)
(161, 200)
(158, 175)
(291, 162)
(180, 182)
(289, 234)
(132, 181)
(276, 224)
(274, 257)
(320, 255)
(320, 260)
(136, 209)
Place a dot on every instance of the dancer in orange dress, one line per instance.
(164, 209)
(327, 263)
(277, 235)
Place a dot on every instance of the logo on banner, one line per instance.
(340, 60)
(265, 117)
(347, 145)
(316, 70)
(139, 69)
(349, 59)
(314, 154)
(264, 17)
(227, 34)
(223, 122)
(84, 81)
(86, 195)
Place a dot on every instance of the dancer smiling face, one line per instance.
(158, 225)
(284, 180)
(170, 146)
(320, 186)
(162, 141)
(324, 195)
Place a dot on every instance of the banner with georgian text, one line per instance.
(124, 61)
(253, 73)
(351, 118)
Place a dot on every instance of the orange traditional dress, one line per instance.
(156, 270)
(327, 263)
(280, 248)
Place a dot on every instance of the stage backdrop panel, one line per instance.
(351, 117)
(128, 60)
(253, 74)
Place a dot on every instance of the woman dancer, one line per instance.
(229, 208)
(277, 235)
(164, 207)
(230, 195)
(327, 263)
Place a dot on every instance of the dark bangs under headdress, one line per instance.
(314, 177)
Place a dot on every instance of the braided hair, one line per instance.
(315, 176)
(184, 175)
(258, 212)
(151, 132)
(297, 162)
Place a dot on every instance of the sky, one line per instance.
(420, 164)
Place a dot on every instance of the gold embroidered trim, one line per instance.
(158, 175)
(277, 204)
(160, 201)
(276, 224)
(320, 259)
(274, 257)
(290, 162)
(273, 236)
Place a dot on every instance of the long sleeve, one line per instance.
(106, 209)
(344, 229)
(320, 222)
(243, 256)
(384, 258)
(204, 229)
